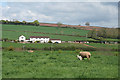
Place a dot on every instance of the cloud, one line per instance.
(60, 0)
(97, 13)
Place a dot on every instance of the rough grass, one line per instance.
(99, 45)
(48, 64)
(39, 45)
(65, 45)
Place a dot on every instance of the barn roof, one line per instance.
(39, 37)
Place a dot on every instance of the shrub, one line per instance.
(10, 48)
(30, 48)
(15, 41)
(116, 54)
(77, 51)
(37, 42)
(30, 41)
(5, 39)
(59, 51)
(49, 42)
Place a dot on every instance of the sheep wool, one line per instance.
(85, 54)
(79, 57)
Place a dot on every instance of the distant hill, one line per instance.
(73, 26)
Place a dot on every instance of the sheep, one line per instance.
(85, 55)
(30, 51)
(79, 57)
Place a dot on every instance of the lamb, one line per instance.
(30, 51)
(85, 55)
(79, 57)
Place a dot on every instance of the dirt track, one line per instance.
(89, 46)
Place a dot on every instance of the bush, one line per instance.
(49, 42)
(59, 51)
(77, 51)
(5, 39)
(37, 42)
(10, 48)
(15, 41)
(30, 48)
(116, 54)
(30, 41)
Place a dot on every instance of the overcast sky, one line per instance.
(97, 13)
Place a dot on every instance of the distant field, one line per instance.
(69, 31)
(99, 45)
(45, 29)
(44, 64)
(15, 35)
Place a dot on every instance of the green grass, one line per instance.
(55, 64)
(99, 45)
(44, 64)
(45, 29)
(15, 35)
(108, 39)
(39, 45)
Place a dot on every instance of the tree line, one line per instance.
(16, 22)
(104, 33)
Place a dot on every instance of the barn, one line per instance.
(40, 39)
(55, 40)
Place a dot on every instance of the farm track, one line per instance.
(45, 33)
(89, 45)
(86, 45)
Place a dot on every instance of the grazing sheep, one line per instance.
(85, 55)
(79, 57)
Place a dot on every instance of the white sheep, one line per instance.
(79, 57)
(85, 54)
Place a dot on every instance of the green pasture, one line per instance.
(44, 64)
(39, 45)
(15, 35)
(43, 45)
(55, 64)
(45, 29)
(99, 45)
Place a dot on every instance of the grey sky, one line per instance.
(97, 13)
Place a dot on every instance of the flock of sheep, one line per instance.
(81, 56)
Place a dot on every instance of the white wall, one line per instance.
(54, 41)
(22, 38)
(42, 40)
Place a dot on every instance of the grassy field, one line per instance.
(15, 35)
(99, 45)
(38, 45)
(22, 28)
(44, 64)
(59, 63)
(45, 29)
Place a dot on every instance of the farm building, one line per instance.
(55, 40)
(22, 38)
(40, 39)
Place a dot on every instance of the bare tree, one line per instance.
(87, 24)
